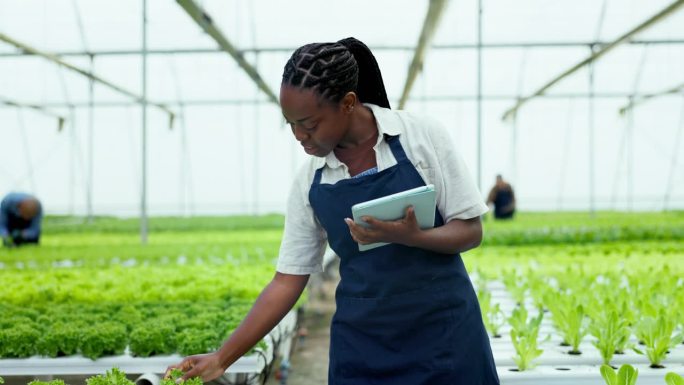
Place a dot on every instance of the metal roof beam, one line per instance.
(596, 55)
(56, 59)
(634, 101)
(432, 18)
(187, 51)
(441, 98)
(205, 21)
(41, 109)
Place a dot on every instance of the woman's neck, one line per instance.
(362, 127)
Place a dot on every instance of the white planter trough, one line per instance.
(247, 367)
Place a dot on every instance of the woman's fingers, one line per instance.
(195, 371)
(184, 365)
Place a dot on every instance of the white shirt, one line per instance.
(427, 145)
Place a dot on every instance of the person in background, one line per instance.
(503, 199)
(20, 219)
(406, 312)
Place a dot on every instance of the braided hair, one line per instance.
(334, 69)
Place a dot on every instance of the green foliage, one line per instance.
(627, 375)
(574, 228)
(153, 338)
(52, 382)
(568, 317)
(657, 336)
(61, 339)
(524, 336)
(610, 331)
(175, 374)
(197, 341)
(111, 377)
(515, 284)
(18, 341)
(673, 378)
(492, 315)
(107, 338)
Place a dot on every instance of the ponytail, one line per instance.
(370, 88)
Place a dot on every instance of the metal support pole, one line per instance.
(592, 199)
(91, 142)
(143, 197)
(255, 151)
(630, 160)
(479, 95)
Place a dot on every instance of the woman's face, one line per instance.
(318, 126)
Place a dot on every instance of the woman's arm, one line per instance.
(272, 305)
(456, 236)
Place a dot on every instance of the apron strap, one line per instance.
(317, 176)
(397, 149)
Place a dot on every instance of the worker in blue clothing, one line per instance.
(20, 219)
(406, 312)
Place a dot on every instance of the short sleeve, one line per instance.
(304, 239)
(458, 195)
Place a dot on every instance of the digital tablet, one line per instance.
(393, 207)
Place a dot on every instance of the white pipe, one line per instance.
(148, 379)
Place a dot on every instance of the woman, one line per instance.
(406, 312)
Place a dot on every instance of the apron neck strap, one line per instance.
(397, 149)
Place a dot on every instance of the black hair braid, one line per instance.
(334, 69)
(371, 88)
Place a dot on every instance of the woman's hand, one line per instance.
(206, 366)
(402, 231)
(456, 236)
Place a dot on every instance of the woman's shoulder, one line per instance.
(405, 121)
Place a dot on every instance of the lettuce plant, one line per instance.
(103, 339)
(61, 339)
(111, 377)
(175, 374)
(515, 285)
(52, 382)
(627, 375)
(657, 335)
(153, 338)
(610, 331)
(492, 316)
(18, 341)
(524, 336)
(568, 317)
(673, 378)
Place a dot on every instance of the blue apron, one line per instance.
(405, 316)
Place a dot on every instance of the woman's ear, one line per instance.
(349, 102)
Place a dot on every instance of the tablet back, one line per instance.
(393, 207)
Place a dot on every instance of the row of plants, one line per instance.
(569, 228)
(164, 248)
(118, 284)
(545, 222)
(147, 308)
(96, 330)
(615, 299)
(628, 375)
(115, 376)
(59, 225)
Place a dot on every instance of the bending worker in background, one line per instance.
(406, 312)
(503, 199)
(20, 217)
